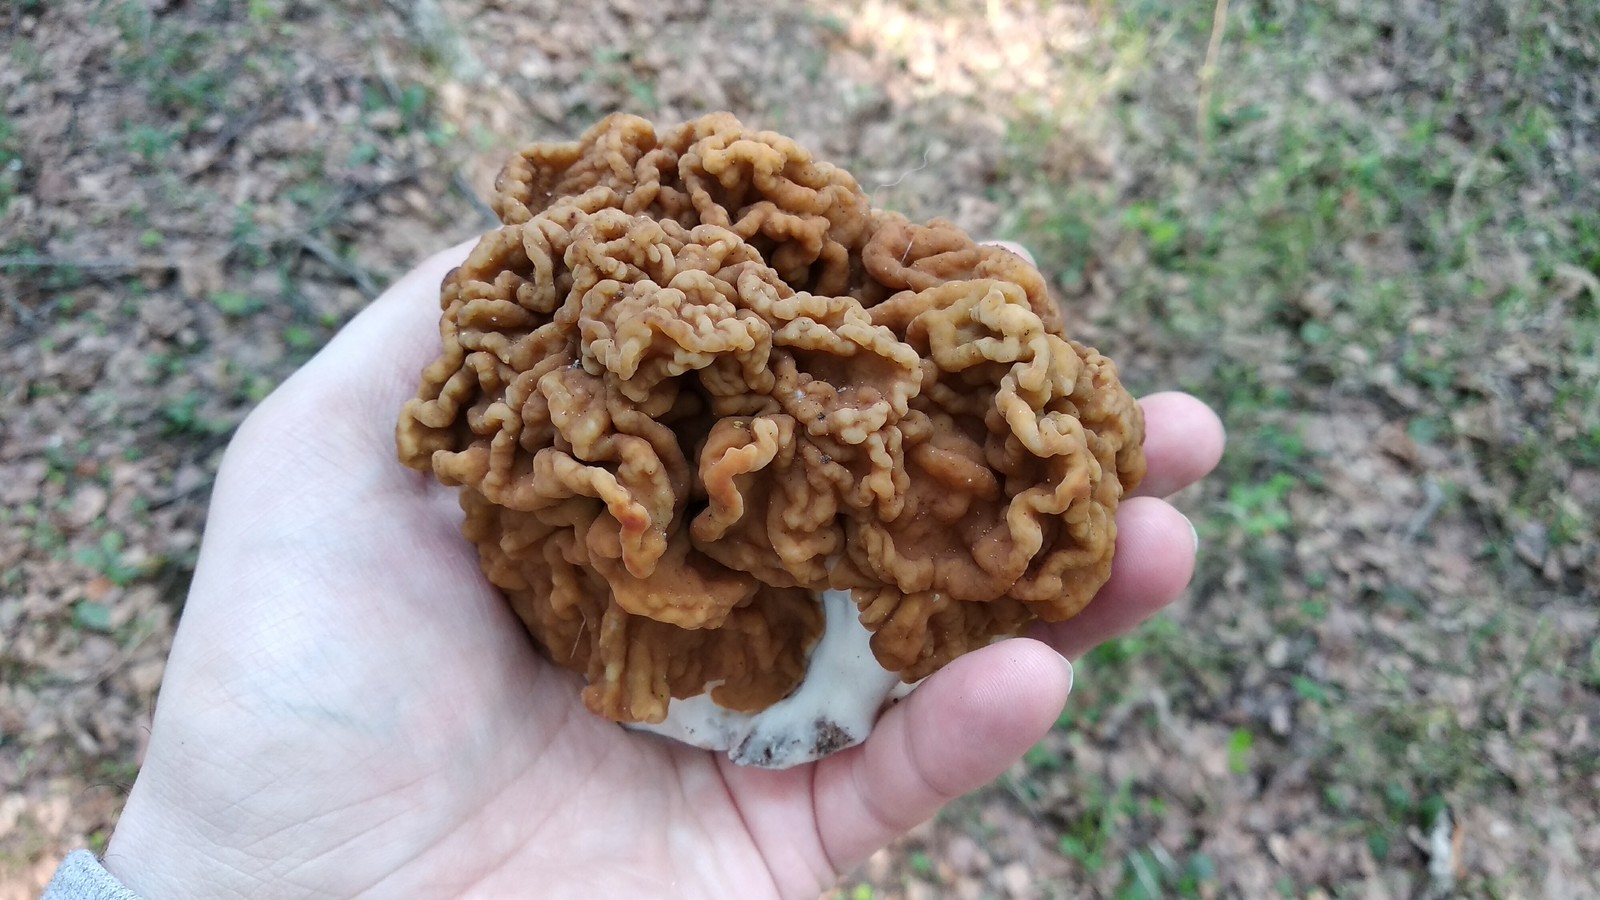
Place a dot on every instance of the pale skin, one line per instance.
(349, 709)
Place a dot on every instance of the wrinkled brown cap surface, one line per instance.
(695, 379)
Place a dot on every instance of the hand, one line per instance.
(350, 708)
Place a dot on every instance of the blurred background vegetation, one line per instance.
(1368, 234)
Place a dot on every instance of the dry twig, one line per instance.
(334, 261)
(464, 188)
(1433, 499)
(102, 267)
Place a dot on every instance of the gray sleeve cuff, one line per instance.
(81, 877)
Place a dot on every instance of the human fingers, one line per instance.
(957, 732)
(1183, 441)
(1014, 247)
(1156, 544)
(1183, 436)
(1154, 561)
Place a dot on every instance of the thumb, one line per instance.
(958, 731)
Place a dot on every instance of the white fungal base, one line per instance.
(834, 707)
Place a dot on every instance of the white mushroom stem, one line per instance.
(833, 708)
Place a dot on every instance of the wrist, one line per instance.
(150, 854)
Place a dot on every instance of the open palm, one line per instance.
(350, 708)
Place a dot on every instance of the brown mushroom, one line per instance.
(695, 380)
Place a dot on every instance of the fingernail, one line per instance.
(1014, 247)
(1070, 674)
(1194, 531)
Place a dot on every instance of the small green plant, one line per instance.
(182, 416)
(1041, 757)
(1260, 508)
(920, 863)
(299, 337)
(1240, 743)
(235, 304)
(1162, 229)
(1153, 874)
(248, 242)
(413, 103)
(88, 615)
(1088, 838)
(257, 387)
(46, 537)
(263, 12)
(362, 153)
(1311, 690)
(106, 557)
(11, 162)
(151, 143)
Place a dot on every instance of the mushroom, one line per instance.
(717, 423)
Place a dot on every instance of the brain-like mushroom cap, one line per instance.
(694, 379)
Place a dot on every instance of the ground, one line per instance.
(1368, 234)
